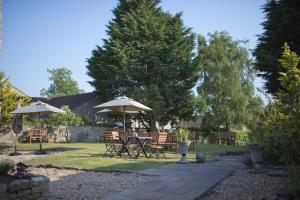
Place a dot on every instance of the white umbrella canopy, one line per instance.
(123, 104)
(37, 107)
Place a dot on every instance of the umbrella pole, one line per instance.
(40, 132)
(124, 120)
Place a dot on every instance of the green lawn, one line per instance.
(91, 156)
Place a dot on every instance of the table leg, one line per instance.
(123, 149)
(142, 145)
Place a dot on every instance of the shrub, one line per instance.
(241, 137)
(6, 166)
(278, 147)
(294, 180)
(183, 134)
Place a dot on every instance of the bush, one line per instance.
(6, 166)
(278, 147)
(241, 137)
(294, 180)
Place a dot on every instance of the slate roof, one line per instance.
(81, 104)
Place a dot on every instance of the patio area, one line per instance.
(83, 170)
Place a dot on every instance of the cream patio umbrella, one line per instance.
(37, 108)
(123, 105)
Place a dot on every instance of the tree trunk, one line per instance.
(67, 135)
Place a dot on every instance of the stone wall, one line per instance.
(76, 134)
(19, 189)
(87, 133)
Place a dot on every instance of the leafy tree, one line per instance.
(62, 83)
(226, 80)
(255, 119)
(149, 57)
(66, 119)
(9, 101)
(282, 25)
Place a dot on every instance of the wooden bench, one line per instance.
(37, 134)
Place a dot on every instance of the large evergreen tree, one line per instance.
(226, 80)
(282, 25)
(148, 56)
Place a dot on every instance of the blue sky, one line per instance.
(41, 34)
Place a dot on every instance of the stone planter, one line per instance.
(29, 188)
(183, 149)
(256, 152)
(200, 157)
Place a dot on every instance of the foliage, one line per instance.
(282, 25)
(294, 180)
(289, 97)
(66, 119)
(107, 124)
(6, 166)
(241, 137)
(277, 147)
(226, 80)
(10, 100)
(148, 56)
(256, 111)
(283, 116)
(62, 83)
(183, 134)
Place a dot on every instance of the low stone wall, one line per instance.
(19, 189)
(87, 133)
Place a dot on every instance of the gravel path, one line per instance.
(73, 184)
(76, 184)
(245, 184)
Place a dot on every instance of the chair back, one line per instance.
(123, 136)
(162, 138)
(111, 136)
(154, 136)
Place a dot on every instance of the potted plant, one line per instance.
(184, 143)
(256, 147)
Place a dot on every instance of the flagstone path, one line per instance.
(180, 181)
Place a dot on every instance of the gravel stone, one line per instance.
(76, 184)
(246, 185)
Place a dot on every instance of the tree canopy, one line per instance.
(226, 80)
(62, 83)
(148, 56)
(9, 102)
(282, 25)
(66, 119)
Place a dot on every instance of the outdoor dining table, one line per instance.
(141, 141)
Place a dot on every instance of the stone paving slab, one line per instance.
(180, 181)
